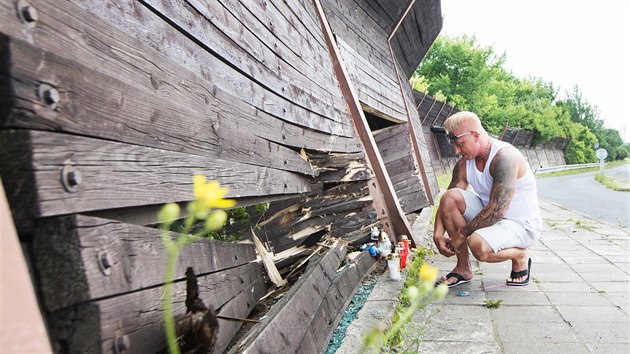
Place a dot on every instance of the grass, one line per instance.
(609, 165)
(492, 304)
(580, 225)
(612, 183)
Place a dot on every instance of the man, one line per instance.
(501, 219)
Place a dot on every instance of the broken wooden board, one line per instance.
(81, 258)
(267, 260)
(289, 318)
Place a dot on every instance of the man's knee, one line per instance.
(479, 247)
(450, 200)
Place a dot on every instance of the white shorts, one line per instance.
(507, 233)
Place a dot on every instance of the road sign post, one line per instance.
(601, 154)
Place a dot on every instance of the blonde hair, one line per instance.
(459, 118)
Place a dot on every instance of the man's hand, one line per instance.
(443, 245)
(456, 242)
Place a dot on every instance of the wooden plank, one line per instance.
(94, 104)
(96, 326)
(115, 175)
(399, 166)
(375, 87)
(388, 133)
(420, 151)
(80, 258)
(240, 307)
(288, 319)
(353, 222)
(331, 311)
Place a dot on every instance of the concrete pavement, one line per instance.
(577, 302)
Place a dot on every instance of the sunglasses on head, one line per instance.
(452, 138)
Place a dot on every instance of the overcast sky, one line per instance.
(567, 42)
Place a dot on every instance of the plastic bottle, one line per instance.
(393, 264)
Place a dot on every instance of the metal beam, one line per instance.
(400, 20)
(382, 190)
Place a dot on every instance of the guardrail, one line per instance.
(565, 167)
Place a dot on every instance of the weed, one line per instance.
(207, 207)
(419, 291)
(580, 225)
(492, 304)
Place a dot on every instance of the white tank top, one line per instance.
(524, 205)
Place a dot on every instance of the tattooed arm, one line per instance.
(504, 169)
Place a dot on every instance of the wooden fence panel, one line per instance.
(100, 258)
(97, 326)
(328, 315)
(257, 48)
(289, 319)
(191, 52)
(366, 55)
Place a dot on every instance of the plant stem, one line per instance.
(172, 252)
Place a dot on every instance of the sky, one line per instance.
(566, 42)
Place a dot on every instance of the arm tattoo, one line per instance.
(504, 170)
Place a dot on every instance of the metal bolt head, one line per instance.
(49, 95)
(29, 14)
(74, 178)
(105, 262)
(124, 342)
(121, 343)
(70, 177)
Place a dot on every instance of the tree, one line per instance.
(473, 78)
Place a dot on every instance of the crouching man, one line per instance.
(501, 218)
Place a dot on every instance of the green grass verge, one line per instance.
(611, 182)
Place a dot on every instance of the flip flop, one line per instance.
(519, 274)
(459, 277)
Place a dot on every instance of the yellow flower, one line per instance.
(428, 273)
(211, 194)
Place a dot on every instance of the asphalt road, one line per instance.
(580, 192)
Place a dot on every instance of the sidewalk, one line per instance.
(577, 302)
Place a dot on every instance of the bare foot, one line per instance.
(466, 275)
